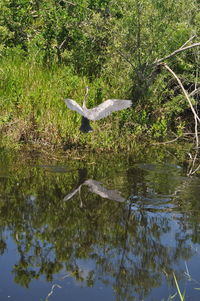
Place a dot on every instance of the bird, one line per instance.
(97, 188)
(104, 109)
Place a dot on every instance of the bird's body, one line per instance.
(104, 109)
(85, 125)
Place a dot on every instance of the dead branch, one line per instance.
(190, 39)
(189, 134)
(52, 290)
(175, 52)
(167, 142)
(183, 89)
(192, 169)
(194, 92)
(63, 42)
(196, 117)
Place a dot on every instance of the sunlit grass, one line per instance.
(178, 289)
(32, 107)
(181, 295)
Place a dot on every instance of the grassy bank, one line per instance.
(50, 50)
(33, 110)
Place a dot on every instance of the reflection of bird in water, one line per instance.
(104, 109)
(96, 187)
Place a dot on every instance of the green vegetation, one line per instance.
(50, 50)
(181, 296)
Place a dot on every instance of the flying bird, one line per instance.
(104, 109)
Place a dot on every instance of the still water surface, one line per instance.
(98, 227)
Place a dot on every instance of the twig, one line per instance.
(61, 45)
(196, 91)
(195, 170)
(167, 142)
(196, 132)
(124, 56)
(175, 52)
(189, 134)
(70, 3)
(190, 39)
(77, 4)
(191, 168)
(51, 292)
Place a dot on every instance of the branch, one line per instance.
(190, 39)
(176, 51)
(196, 117)
(61, 45)
(51, 292)
(196, 91)
(167, 142)
(124, 57)
(183, 89)
(191, 168)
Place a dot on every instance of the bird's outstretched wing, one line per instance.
(107, 107)
(71, 194)
(73, 105)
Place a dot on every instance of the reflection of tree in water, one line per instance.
(125, 246)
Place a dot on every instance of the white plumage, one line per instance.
(104, 109)
(97, 188)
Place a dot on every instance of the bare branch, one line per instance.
(63, 42)
(196, 132)
(77, 4)
(190, 39)
(70, 3)
(167, 142)
(52, 290)
(196, 117)
(194, 92)
(175, 52)
(192, 169)
(183, 89)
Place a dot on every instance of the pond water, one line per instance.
(99, 226)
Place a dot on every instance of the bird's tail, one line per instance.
(85, 125)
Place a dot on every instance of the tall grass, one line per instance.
(32, 107)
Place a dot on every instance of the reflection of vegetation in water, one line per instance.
(128, 247)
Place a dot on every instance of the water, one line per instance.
(98, 227)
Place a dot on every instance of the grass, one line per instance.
(181, 295)
(178, 290)
(33, 111)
